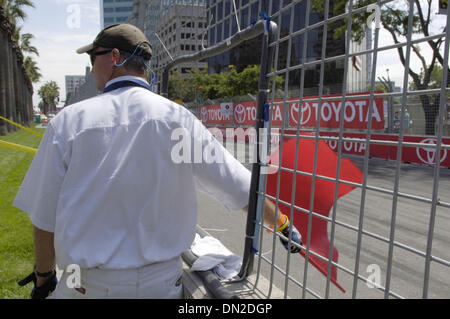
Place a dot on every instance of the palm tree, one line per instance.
(49, 94)
(24, 41)
(11, 88)
(25, 44)
(16, 32)
(32, 69)
(3, 74)
(14, 9)
(15, 12)
(29, 64)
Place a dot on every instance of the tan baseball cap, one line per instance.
(124, 37)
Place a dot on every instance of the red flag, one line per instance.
(323, 194)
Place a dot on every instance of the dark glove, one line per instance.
(42, 291)
(296, 236)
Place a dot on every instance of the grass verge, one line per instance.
(16, 240)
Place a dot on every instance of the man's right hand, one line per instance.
(296, 236)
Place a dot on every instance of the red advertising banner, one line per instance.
(355, 145)
(213, 114)
(356, 113)
(245, 114)
(420, 155)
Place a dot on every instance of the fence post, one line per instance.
(165, 83)
(267, 54)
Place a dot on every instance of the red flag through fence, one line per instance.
(323, 194)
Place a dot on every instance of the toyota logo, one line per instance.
(294, 113)
(428, 154)
(239, 113)
(204, 114)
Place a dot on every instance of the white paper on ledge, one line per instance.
(213, 255)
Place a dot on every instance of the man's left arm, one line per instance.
(44, 251)
(38, 196)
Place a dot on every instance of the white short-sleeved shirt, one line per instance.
(105, 182)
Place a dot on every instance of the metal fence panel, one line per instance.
(391, 232)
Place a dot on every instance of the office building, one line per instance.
(138, 15)
(145, 16)
(73, 82)
(85, 90)
(224, 24)
(173, 27)
(115, 11)
(150, 22)
(180, 30)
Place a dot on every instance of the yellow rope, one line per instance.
(18, 147)
(22, 127)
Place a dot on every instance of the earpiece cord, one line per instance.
(140, 52)
(151, 70)
(126, 60)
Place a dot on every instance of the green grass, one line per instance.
(16, 238)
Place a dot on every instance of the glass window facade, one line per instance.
(290, 18)
(116, 11)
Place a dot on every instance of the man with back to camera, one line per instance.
(103, 192)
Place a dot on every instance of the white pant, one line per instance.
(155, 281)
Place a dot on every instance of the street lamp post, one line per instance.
(390, 104)
(389, 88)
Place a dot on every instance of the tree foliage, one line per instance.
(14, 10)
(394, 17)
(217, 85)
(25, 44)
(49, 94)
(32, 69)
(435, 78)
(30, 65)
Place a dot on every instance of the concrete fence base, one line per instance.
(194, 287)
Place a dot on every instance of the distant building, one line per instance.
(115, 11)
(173, 27)
(150, 21)
(83, 91)
(73, 82)
(181, 27)
(145, 16)
(138, 15)
(224, 24)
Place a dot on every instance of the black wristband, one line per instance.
(44, 274)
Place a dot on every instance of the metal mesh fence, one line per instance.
(374, 214)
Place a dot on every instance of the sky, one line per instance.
(62, 26)
(58, 32)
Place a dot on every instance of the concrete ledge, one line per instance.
(195, 289)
